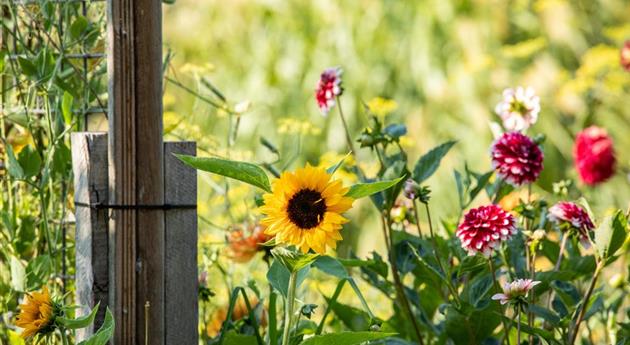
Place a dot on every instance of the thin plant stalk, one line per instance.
(576, 328)
(417, 215)
(398, 284)
(518, 325)
(345, 127)
(498, 290)
(437, 257)
(288, 309)
(563, 245)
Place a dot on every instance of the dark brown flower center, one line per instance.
(306, 208)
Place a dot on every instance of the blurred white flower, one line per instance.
(515, 291)
(519, 108)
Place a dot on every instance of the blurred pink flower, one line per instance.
(484, 228)
(517, 158)
(515, 290)
(328, 89)
(594, 155)
(519, 108)
(625, 56)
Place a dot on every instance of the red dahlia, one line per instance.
(517, 158)
(328, 89)
(625, 56)
(569, 216)
(484, 228)
(594, 155)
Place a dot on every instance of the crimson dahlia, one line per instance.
(484, 228)
(568, 215)
(328, 89)
(594, 155)
(516, 158)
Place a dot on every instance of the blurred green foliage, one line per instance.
(445, 63)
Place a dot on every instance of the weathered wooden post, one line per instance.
(148, 199)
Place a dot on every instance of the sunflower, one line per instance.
(36, 314)
(304, 209)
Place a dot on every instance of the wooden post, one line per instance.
(89, 163)
(181, 282)
(136, 170)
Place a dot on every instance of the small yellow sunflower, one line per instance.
(304, 209)
(36, 314)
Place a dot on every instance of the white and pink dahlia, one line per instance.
(519, 108)
(516, 158)
(515, 291)
(484, 228)
(328, 89)
(568, 215)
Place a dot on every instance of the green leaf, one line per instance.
(345, 338)
(28, 68)
(66, 107)
(78, 27)
(331, 170)
(429, 163)
(13, 166)
(17, 274)
(332, 266)
(30, 161)
(80, 322)
(361, 190)
(278, 277)
(293, 261)
(611, 234)
(233, 338)
(545, 313)
(37, 272)
(102, 336)
(242, 171)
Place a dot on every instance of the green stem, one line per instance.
(346, 128)
(417, 215)
(450, 286)
(518, 325)
(498, 290)
(288, 309)
(573, 334)
(64, 336)
(403, 301)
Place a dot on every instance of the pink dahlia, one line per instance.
(328, 89)
(484, 228)
(625, 56)
(568, 215)
(594, 155)
(517, 158)
(515, 291)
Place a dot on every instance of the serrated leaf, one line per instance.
(611, 234)
(278, 277)
(242, 171)
(429, 162)
(361, 190)
(345, 338)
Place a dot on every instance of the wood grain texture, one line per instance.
(89, 164)
(136, 174)
(181, 282)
